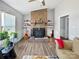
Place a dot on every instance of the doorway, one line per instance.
(64, 27)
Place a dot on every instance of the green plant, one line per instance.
(4, 35)
(6, 42)
(14, 34)
(1, 36)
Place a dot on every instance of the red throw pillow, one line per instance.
(60, 43)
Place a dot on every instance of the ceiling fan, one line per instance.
(42, 1)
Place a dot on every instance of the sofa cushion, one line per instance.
(67, 54)
(68, 44)
(76, 46)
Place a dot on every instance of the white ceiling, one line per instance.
(24, 6)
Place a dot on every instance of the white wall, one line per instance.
(51, 14)
(71, 8)
(0, 20)
(50, 17)
(27, 17)
(19, 17)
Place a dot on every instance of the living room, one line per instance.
(40, 19)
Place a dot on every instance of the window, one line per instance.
(7, 22)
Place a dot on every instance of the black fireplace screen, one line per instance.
(38, 32)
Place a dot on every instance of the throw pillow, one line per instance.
(60, 43)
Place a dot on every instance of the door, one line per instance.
(64, 27)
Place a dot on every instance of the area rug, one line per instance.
(39, 57)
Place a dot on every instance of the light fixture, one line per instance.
(40, 0)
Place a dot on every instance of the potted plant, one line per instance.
(13, 34)
(13, 37)
(4, 37)
(1, 36)
(1, 39)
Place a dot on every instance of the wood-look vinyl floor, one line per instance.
(34, 47)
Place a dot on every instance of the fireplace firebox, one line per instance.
(38, 32)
